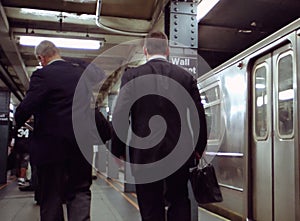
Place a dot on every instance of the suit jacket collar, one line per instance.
(158, 57)
(55, 61)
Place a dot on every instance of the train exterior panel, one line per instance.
(252, 109)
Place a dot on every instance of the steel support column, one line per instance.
(112, 168)
(4, 133)
(182, 29)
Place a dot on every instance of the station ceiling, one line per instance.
(229, 28)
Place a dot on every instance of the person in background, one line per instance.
(11, 167)
(33, 179)
(160, 75)
(21, 146)
(63, 171)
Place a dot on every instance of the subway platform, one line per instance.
(109, 203)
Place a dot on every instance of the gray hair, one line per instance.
(46, 48)
(156, 43)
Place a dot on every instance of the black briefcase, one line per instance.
(205, 184)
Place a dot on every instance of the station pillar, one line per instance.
(101, 159)
(112, 166)
(4, 133)
(181, 27)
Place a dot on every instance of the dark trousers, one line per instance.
(152, 198)
(35, 183)
(69, 181)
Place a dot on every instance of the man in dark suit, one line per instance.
(168, 131)
(63, 171)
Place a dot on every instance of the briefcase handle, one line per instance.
(203, 162)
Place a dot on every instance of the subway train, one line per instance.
(252, 108)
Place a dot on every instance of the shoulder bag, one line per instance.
(205, 184)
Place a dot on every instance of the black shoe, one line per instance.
(26, 188)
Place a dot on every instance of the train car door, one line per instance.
(262, 148)
(273, 150)
(284, 153)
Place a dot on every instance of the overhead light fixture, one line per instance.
(261, 100)
(62, 42)
(245, 31)
(260, 86)
(286, 95)
(204, 7)
(48, 13)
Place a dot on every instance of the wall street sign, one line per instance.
(188, 63)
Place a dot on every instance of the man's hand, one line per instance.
(198, 156)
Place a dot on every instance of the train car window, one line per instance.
(285, 96)
(211, 102)
(261, 126)
(227, 158)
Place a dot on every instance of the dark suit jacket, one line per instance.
(50, 100)
(147, 106)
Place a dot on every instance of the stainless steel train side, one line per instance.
(252, 109)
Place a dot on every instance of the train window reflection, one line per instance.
(261, 97)
(211, 102)
(285, 96)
